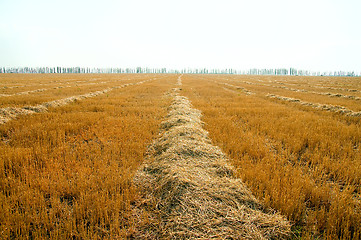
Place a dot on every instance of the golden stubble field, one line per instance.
(69, 151)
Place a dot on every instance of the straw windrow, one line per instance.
(23, 93)
(189, 191)
(318, 106)
(244, 90)
(9, 113)
(339, 95)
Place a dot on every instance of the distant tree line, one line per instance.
(254, 71)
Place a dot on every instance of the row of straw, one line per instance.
(189, 191)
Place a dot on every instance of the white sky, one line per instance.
(318, 35)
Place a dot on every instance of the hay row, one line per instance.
(303, 90)
(250, 83)
(244, 90)
(318, 93)
(313, 92)
(42, 89)
(13, 87)
(29, 92)
(34, 85)
(9, 113)
(23, 93)
(82, 83)
(189, 191)
(319, 85)
(338, 89)
(179, 80)
(67, 83)
(338, 95)
(230, 90)
(318, 106)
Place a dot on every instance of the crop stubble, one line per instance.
(66, 173)
(191, 192)
(302, 161)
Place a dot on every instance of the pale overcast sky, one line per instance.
(318, 35)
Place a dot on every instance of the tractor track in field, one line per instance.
(189, 191)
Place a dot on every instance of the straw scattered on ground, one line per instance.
(244, 90)
(318, 106)
(23, 93)
(9, 113)
(339, 95)
(338, 89)
(189, 191)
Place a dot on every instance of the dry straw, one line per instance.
(244, 90)
(9, 113)
(23, 93)
(338, 89)
(314, 92)
(339, 95)
(324, 107)
(189, 191)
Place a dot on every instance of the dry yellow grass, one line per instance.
(9, 113)
(345, 99)
(57, 86)
(65, 174)
(301, 161)
(190, 190)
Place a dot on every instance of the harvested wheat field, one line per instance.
(170, 156)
